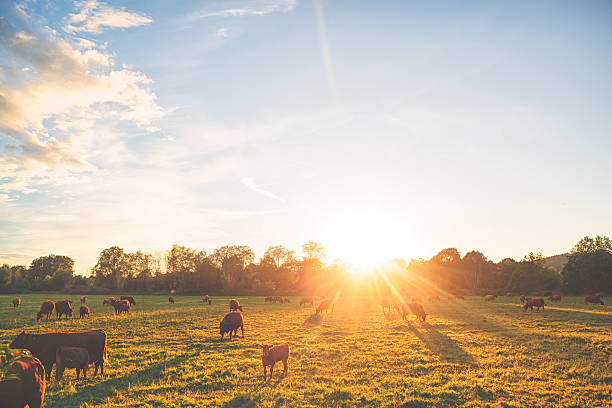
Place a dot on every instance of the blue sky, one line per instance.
(380, 129)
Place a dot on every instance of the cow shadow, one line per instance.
(444, 347)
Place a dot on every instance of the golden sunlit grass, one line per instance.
(469, 353)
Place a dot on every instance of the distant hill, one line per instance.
(557, 261)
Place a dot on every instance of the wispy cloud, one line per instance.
(251, 185)
(94, 17)
(222, 33)
(242, 8)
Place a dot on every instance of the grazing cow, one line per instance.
(508, 294)
(121, 306)
(268, 299)
(63, 307)
(385, 303)
(231, 323)
(273, 354)
(171, 300)
(531, 303)
(600, 294)
(206, 297)
(287, 300)
(71, 357)
(234, 306)
(488, 298)
(278, 299)
(46, 309)
(593, 299)
(109, 301)
(416, 309)
(523, 298)
(44, 346)
(325, 305)
(84, 311)
(129, 299)
(431, 298)
(306, 301)
(16, 302)
(28, 389)
(555, 298)
(83, 300)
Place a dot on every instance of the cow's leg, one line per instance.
(242, 327)
(78, 372)
(48, 369)
(285, 367)
(265, 374)
(271, 370)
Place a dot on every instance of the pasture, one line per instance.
(470, 353)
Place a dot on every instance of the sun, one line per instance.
(364, 239)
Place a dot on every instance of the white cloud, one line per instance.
(241, 8)
(94, 16)
(222, 33)
(251, 185)
(58, 114)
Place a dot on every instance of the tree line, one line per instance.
(232, 269)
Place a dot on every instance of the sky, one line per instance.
(379, 129)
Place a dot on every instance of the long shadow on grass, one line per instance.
(440, 344)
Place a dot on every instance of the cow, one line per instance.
(416, 309)
(44, 346)
(523, 298)
(325, 305)
(84, 311)
(109, 301)
(129, 299)
(63, 307)
(307, 301)
(489, 298)
(593, 299)
(231, 323)
(273, 354)
(234, 306)
(29, 387)
(286, 300)
(71, 357)
(16, 302)
(268, 299)
(171, 300)
(555, 298)
(46, 309)
(385, 303)
(121, 306)
(600, 294)
(83, 300)
(531, 303)
(508, 294)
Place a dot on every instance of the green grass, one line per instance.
(470, 353)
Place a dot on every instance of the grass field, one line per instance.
(469, 353)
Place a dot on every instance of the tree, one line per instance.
(47, 266)
(112, 268)
(588, 245)
(314, 250)
(5, 276)
(532, 274)
(232, 260)
(589, 267)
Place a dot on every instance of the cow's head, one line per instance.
(21, 342)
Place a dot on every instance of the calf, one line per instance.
(555, 298)
(593, 299)
(71, 357)
(416, 309)
(531, 303)
(325, 306)
(63, 307)
(46, 309)
(83, 300)
(488, 298)
(273, 354)
(234, 306)
(171, 300)
(16, 302)
(28, 389)
(129, 299)
(84, 311)
(231, 323)
(121, 306)
(44, 346)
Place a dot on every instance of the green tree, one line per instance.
(112, 268)
(589, 267)
(5, 276)
(47, 266)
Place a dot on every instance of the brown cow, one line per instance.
(63, 307)
(593, 299)
(71, 357)
(129, 299)
(531, 303)
(121, 306)
(231, 323)
(234, 306)
(16, 302)
(171, 300)
(84, 311)
(508, 294)
(206, 297)
(306, 301)
(286, 300)
(523, 298)
(325, 305)
(46, 309)
(44, 346)
(385, 303)
(555, 298)
(83, 300)
(488, 298)
(273, 354)
(29, 389)
(416, 309)
(109, 301)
